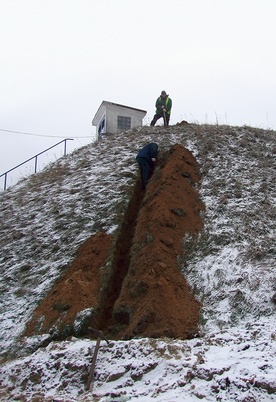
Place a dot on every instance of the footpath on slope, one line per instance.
(141, 291)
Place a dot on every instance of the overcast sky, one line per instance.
(61, 58)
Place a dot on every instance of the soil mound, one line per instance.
(77, 290)
(146, 294)
(155, 299)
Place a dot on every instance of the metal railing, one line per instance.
(35, 158)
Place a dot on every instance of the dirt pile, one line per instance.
(155, 299)
(146, 293)
(77, 290)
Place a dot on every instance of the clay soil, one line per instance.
(76, 290)
(145, 293)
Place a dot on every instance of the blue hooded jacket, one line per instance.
(149, 151)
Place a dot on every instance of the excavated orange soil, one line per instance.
(76, 290)
(146, 294)
(155, 299)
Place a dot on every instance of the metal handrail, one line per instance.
(35, 158)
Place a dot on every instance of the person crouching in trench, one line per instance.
(146, 158)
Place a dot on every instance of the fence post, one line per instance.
(64, 153)
(35, 164)
(5, 181)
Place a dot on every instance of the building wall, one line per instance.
(101, 126)
(112, 117)
(106, 118)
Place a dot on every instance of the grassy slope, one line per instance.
(47, 216)
(230, 267)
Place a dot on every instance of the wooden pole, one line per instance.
(100, 336)
(90, 381)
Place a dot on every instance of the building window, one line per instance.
(123, 123)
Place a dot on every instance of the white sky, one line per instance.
(61, 58)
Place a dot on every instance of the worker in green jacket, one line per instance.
(163, 106)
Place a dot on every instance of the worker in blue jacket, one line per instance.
(146, 158)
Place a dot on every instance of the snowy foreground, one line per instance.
(230, 365)
(231, 269)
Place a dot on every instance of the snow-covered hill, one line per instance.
(230, 267)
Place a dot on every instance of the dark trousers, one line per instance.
(158, 116)
(145, 171)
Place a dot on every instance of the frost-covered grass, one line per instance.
(233, 365)
(230, 266)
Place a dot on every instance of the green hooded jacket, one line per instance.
(167, 102)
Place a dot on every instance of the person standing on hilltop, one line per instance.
(163, 106)
(146, 158)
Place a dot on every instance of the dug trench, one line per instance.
(132, 285)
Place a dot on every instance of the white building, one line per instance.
(112, 118)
